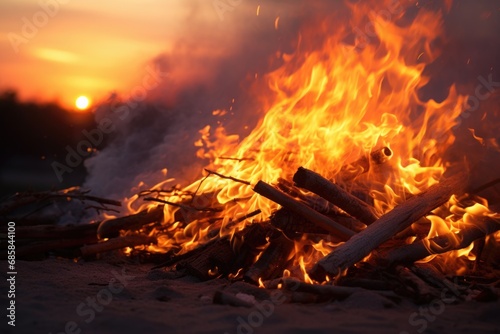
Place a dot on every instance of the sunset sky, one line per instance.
(86, 47)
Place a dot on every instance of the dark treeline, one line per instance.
(33, 136)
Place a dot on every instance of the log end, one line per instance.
(318, 273)
(300, 176)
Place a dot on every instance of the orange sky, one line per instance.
(84, 47)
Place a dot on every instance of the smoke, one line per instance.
(215, 65)
(218, 64)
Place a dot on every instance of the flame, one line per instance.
(338, 97)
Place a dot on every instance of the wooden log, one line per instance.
(55, 232)
(117, 243)
(422, 292)
(294, 226)
(38, 249)
(314, 182)
(329, 291)
(299, 208)
(273, 260)
(312, 200)
(214, 261)
(224, 298)
(441, 244)
(430, 274)
(111, 228)
(402, 216)
(21, 199)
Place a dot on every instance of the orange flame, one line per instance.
(331, 102)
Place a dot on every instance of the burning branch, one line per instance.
(402, 216)
(299, 208)
(363, 164)
(272, 261)
(441, 244)
(314, 182)
(22, 199)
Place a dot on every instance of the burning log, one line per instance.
(312, 200)
(111, 228)
(328, 291)
(402, 216)
(212, 262)
(224, 298)
(117, 243)
(363, 164)
(314, 182)
(38, 249)
(422, 292)
(272, 261)
(299, 208)
(219, 257)
(21, 199)
(441, 244)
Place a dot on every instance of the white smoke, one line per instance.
(213, 66)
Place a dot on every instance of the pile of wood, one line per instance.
(37, 233)
(312, 207)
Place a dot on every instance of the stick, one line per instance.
(402, 216)
(299, 208)
(441, 244)
(227, 177)
(314, 182)
(21, 199)
(117, 243)
(330, 291)
(312, 200)
(422, 291)
(111, 228)
(55, 232)
(40, 248)
(434, 277)
(272, 261)
(219, 254)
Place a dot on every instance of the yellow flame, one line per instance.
(334, 100)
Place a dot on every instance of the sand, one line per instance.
(56, 295)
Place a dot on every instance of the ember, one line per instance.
(349, 181)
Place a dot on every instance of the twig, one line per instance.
(227, 177)
(183, 206)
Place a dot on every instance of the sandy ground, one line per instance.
(61, 296)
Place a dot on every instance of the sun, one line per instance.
(82, 102)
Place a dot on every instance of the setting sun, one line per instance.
(82, 102)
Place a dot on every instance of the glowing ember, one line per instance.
(334, 100)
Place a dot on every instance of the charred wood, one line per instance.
(328, 291)
(212, 262)
(111, 228)
(272, 261)
(314, 182)
(299, 208)
(441, 244)
(402, 216)
(39, 249)
(362, 165)
(56, 232)
(117, 243)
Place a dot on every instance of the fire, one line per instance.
(338, 97)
